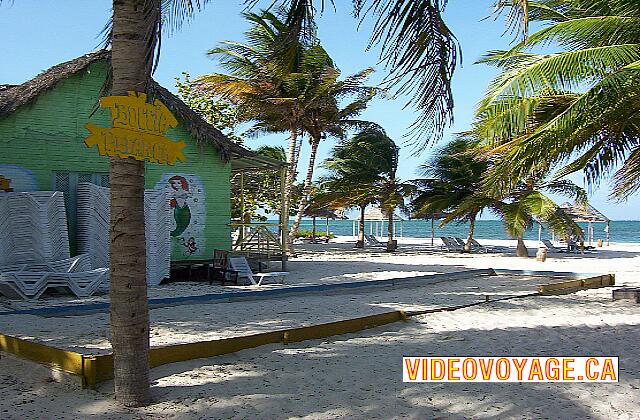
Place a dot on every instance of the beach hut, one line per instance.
(377, 219)
(589, 215)
(42, 131)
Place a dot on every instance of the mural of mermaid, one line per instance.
(186, 201)
(179, 204)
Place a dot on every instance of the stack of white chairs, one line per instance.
(33, 228)
(93, 229)
(34, 249)
(30, 281)
(157, 231)
(92, 215)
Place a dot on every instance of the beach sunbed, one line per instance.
(241, 265)
(476, 247)
(450, 244)
(459, 241)
(373, 241)
(551, 247)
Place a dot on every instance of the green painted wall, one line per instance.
(47, 137)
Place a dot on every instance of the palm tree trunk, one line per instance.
(128, 309)
(521, 249)
(291, 176)
(391, 244)
(472, 225)
(306, 189)
(313, 231)
(360, 242)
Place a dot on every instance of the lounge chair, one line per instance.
(373, 241)
(450, 244)
(459, 241)
(30, 281)
(476, 247)
(551, 247)
(241, 265)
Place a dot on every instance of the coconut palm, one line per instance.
(275, 91)
(455, 187)
(362, 171)
(576, 108)
(527, 204)
(453, 180)
(325, 117)
(134, 33)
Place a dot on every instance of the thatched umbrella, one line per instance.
(586, 214)
(314, 212)
(437, 215)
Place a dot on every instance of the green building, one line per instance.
(42, 133)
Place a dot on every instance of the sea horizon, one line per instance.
(627, 231)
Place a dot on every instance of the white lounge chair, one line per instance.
(459, 241)
(373, 241)
(450, 244)
(551, 247)
(30, 281)
(241, 265)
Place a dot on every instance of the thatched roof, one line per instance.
(581, 213)
(13, 97)
(312, 211)
(376, 214)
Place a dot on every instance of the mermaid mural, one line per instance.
(186, 198)
(181, 211)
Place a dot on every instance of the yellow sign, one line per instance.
(138, 130)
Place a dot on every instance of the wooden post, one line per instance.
(242, 209)
(284, 219)
(539, 232)
(313, 231)
(433, 229)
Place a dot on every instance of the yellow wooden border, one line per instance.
(67, 361)
(569, 285)
(99, 368)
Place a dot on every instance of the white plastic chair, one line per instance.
(241, 265)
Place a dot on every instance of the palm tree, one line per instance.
(134, 35)
(455, 187)
(323, 117)
(527, 204)
(362, 171)
(453, 182)
(273, 90)
(576, 108)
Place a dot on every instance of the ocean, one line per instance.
(620, 231)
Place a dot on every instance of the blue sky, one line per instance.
(36, 34)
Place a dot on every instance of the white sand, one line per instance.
(359, 375)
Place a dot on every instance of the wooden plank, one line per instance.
(590, 282)
(100, 368)
(552, 287)
(67, 361)
(342, 327)
(177, 353)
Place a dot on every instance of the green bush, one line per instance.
(306, 233)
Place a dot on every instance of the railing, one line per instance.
(258, 239)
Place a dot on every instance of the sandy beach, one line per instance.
(359, 375)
